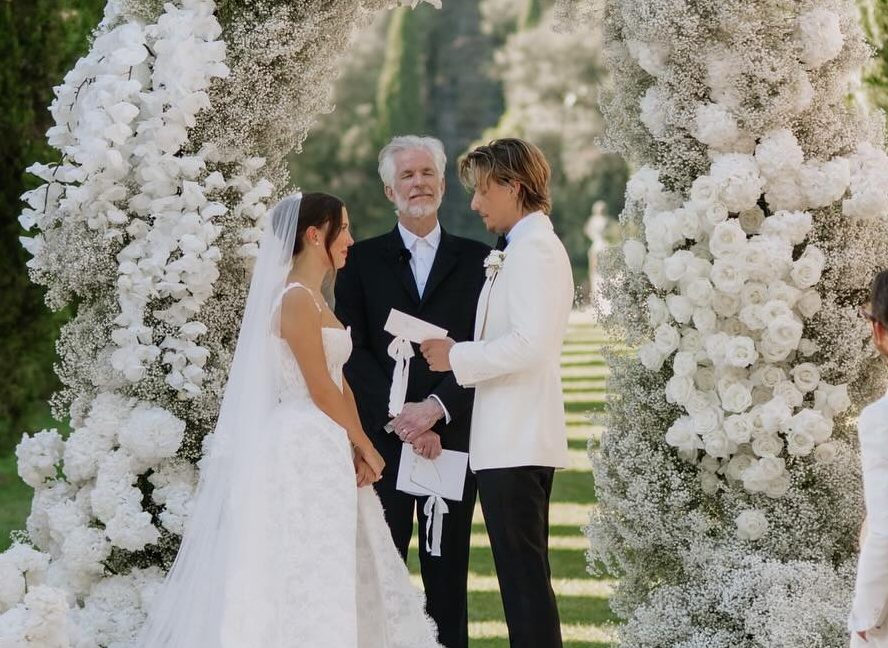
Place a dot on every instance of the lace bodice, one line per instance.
(337, 349)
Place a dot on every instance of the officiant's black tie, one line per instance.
(501, 243)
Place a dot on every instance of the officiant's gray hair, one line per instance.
(409, 143)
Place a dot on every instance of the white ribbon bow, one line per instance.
(400, 350)
(435, 508)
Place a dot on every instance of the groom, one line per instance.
(518, 429)
(420, 269)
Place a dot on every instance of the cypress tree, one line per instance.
(400, 96)
(39, 40)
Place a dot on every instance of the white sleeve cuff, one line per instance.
(443, 407)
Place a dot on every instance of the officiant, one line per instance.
(421, 270)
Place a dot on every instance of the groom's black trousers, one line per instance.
(515, 502)
(443, 577)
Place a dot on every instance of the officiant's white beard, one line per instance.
(404, 207)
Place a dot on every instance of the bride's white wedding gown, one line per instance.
(316, 567)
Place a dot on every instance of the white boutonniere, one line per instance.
(494, 263)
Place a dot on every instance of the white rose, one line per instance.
(666, 339)
(783, 297)
(634, 252)
(705, 320)
(740, 351)
(706, 421)
(775, 415)
(684, 364)
(738, 428)
(658, 312)
(691, 225)
(751, 219)
(809, 304)
(813, 424)
(691, 341)
(713, 215)
(680, 308)
(831, 399)
(705, 379)
(768, 376)
(728, 275)
(679, 389)
(710, 483)
(699, 402)
(681, 435)
(737, 465)
(806, 376)
(777, 487)
(725, 304)
(715, 345)
(771, 468)
(799, 444)
(699, 291)
(739, 183)
(807, 270)
(785, 331)
(761, 395)
(704, 191)
(767, 445)
(789, 393)
(676, 266)
(736, 398)
(653, 269)
(825, 452)
(751, 525)
(651, 357)
(717, 445)
(754, 293)
(727, 238)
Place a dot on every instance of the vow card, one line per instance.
(444, 476)
(411, 328)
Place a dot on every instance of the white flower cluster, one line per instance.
(122, 118)
(753, 226)
(78, 520)
(737, 296)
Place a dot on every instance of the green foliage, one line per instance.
(874, 18)
(39, 41)
(533, 12)
(400, 99)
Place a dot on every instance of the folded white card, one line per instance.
(411, 328)
(442, 477)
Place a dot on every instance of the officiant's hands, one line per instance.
(416, 419)
(437, 353)
(428, 445)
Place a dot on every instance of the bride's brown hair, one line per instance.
(316, 210)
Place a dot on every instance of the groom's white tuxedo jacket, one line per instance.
(871, 590)
(515, 361)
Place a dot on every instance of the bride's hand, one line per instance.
(372, 458)
(363, 472)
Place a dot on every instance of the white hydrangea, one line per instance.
(819, 36)
(716, 126)
(151, 434)
(38, 457)
(738, 180)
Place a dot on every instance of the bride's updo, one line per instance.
(316, 209)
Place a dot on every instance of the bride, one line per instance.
(284, 547)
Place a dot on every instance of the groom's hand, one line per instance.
(437, 353)
(417, 418)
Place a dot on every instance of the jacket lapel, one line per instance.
(444, 263)
(399, 260)
(483, 303)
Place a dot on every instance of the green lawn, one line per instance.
(582, 600)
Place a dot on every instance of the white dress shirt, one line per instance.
(422, 255)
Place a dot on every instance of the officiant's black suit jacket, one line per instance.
(378, 278)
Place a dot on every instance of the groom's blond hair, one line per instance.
(510, 160)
